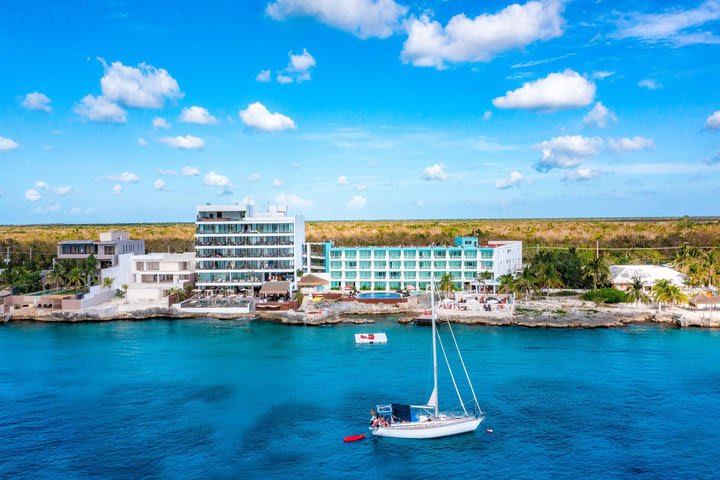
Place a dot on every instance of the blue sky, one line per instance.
(131, 111)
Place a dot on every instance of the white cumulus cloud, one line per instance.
(187, 142)
(293, 200)
(143, 86)
(214, 179)
(582, 174)
(277, 183)
(100, 109)
(117, 189)
(160, 122)
(190, 171)
(356, 203)
(487, 115)
(258, 117)
(567, 151)
(599, 116)
(37, 101)
(435, 172)
(557, 91)
(254, 177)
(32, 195)
(626, 144)
(197, 115)
(649, 84)
(712, 122)
(264, 76)
(362, 18)
(142, 142)
(514, 179)
(7, 144)
(302, 62)
(342, 180)
(160, 184)
(479, 39)
(125, 177)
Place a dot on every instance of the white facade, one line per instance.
(622, 275)
(153, 275)
(238, 247)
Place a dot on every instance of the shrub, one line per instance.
(564, 293)
(605, 295)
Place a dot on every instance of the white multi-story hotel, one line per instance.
(237, 247)
(392, 268)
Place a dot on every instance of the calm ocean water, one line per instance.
(232, 399)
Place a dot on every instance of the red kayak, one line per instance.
(354, 438)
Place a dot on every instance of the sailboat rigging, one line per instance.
(427, 421)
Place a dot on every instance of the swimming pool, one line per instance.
(379, 296)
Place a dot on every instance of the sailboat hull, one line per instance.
(432, 429)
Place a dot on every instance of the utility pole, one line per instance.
(597, 248)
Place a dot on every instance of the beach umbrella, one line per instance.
(348, 287)
(410, 287)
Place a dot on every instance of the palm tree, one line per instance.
(75, 277)
(506, 283)
(56, 275)
(597, 271)
(108, 282)
(89, 268)
(686, 256)
(124, 288)
(675, 296)
(482, 278)
(636, 292)
(712, 266)
(447, 284)
(525, 283)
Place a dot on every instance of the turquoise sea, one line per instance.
(236, 399)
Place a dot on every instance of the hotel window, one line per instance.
(409, 253)
(365, 285)
(351, 264)
(470, 253)
(366, 275)
(336, 275)
(394, 285)
(455, 264)
(364, 253)
(439, 253)
(438, 275)
(409, 265)
(351, 275)
(379, 254)
(425, 265)
(336, 265)
(395, 265)
(380, 265)
(350, 253)
(487, 254)
(455, 253)
(423, 286)
(472, 265)
(440, 265)
(469, 275)
(335, 285)
(456, 275)
(424, 274)
(424, 254)
(365, 265)
(486, 265)
(410, 275)
(395, 275)
(380, 285)
(394, 253)
(380, 275)
(335, 253)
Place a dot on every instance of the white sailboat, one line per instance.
(427, 421)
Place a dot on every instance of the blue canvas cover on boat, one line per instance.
(402, 412)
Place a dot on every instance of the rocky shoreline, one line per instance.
(534, 314)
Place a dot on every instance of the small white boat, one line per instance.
(426, 421)
(370, 338)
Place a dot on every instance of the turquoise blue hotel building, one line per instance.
(396, 267)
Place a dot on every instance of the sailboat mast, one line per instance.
(434, 348)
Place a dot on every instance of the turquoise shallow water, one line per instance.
(231, 399)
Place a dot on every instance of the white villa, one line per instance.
(622, 275)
